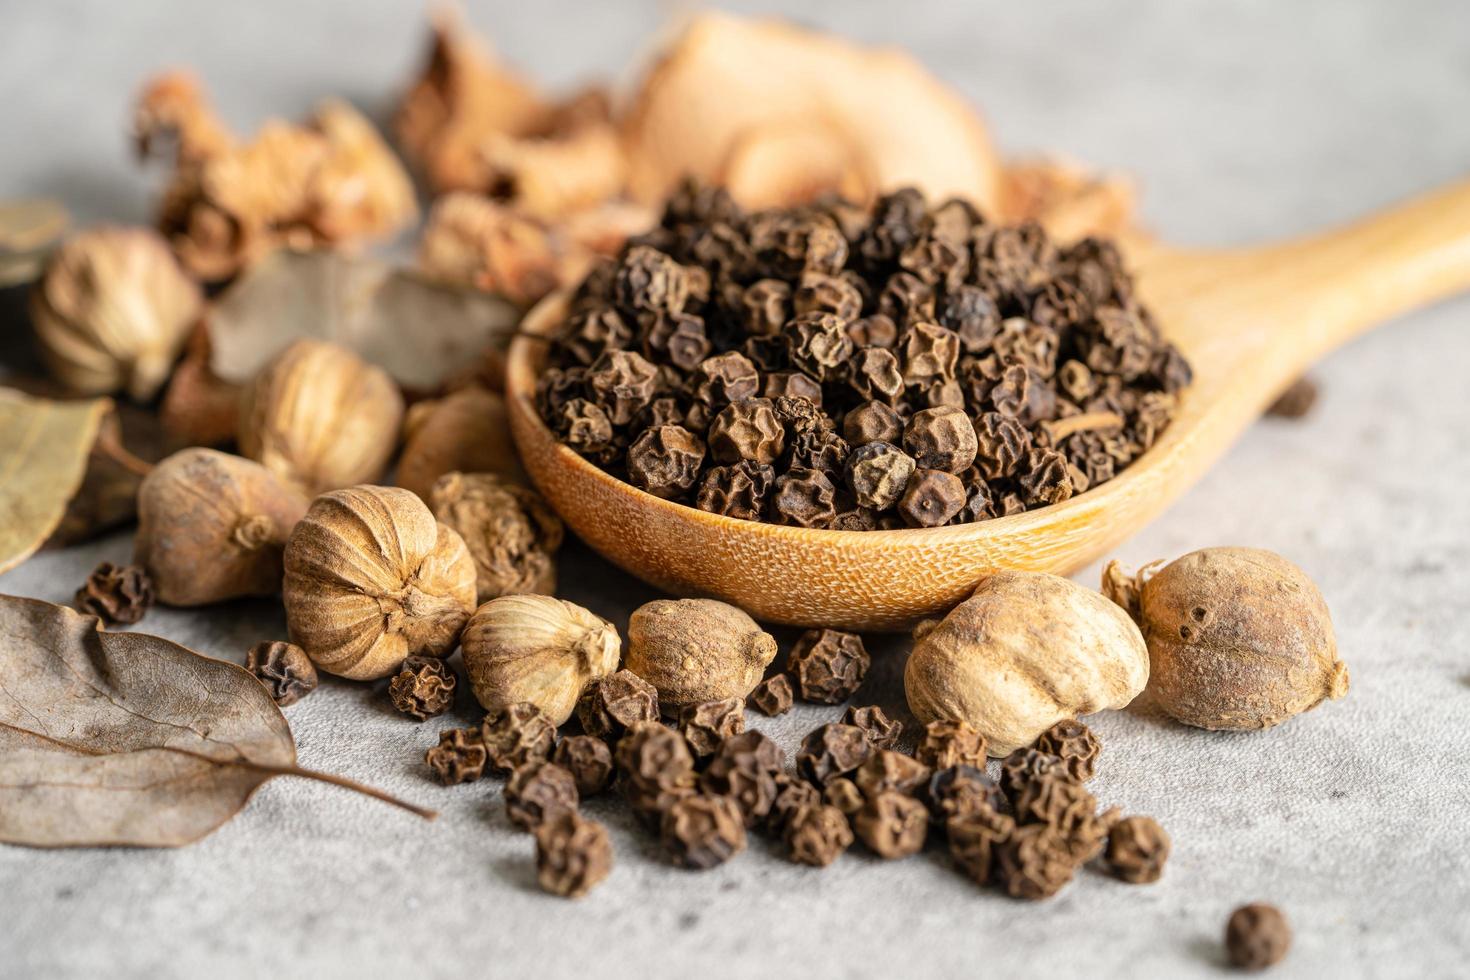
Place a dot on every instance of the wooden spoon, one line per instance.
(1250, 321)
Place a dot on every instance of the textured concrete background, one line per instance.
(1240, 122)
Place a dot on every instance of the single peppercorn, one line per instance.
(877, 473)
(872, 422)
(655, 767)
(116, 594)
(573, 854)
(588, 759)
(746, 430)
(881, 731)
(951, 743)
(747, 768)
(816, 835)
(1072, 742)
(459, 757)
(1137, 849)
(844, 795)
(519, 734)
(615, 703)
(703, 831)
(973, 836)
(931, 498)
(1033, 862)
(665, 460)
(284, 668)
(706, 725)
(1257, 936)
(791, 796)
(832, 751)
(1063, 803)
(804, 497)
(538, 791)
(941, 439)
(1024, 765)
(889, 771)
(957, 790)
(423, 688)
(828, 665)
(892, 824)
(737, 491)
(772, 696)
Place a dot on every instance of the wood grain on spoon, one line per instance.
(1249, 320)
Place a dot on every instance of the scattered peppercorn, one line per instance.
(956, 791)
(844, 795)
(882, 732)
(116, 594)
(1033, 862)
(1257, 936)
(816, 834)
(588, 759)
(746, 767)
(675, 357)
(423, 688)
(886, 770)
(704, 726)
(791, 796)
(892, 824)
(285, 670)
(537, 791)
(573, 854)
(459, 757)
(951, 743)
(772, 696)
(828, 665)
(830, 752)
(1073, 743)
(1024, 765)
(516, 736)
(1137, 849)
(613, 704)
(656, 769)
(973, 835)
(703, 830)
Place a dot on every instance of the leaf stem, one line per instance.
(345, 783)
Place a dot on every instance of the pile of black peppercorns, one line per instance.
(842, 367)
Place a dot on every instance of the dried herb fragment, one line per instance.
(423, 688)
(573, 854)
(518, 735)
(615, 703)
(588, 759)
(539, 791)
(772, 696)
(828, 665)
(881, 731)
(951, 743)
(706, 725)
(117, 595)
(703, 831)
(1072, 742)
(460, 756)
(892, 824)
(1257, 936)
(816, 834)
(832, 751)
(285, 670)
(1137, 849)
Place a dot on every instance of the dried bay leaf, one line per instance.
(44, 446)
(419, 332)
(127, 739)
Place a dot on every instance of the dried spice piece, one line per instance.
(957, 790)
(510, 531)
(951, 743)
(963, 344)
(613, 704)
(816, 834)
(703, 831)
(1033, 862)
(1024, 765)
(791, 796)
(1257, 936)
(1238, 638)
(843, 794)
(887, 770)
(696, 650)
(459, 757)
(737, 491)
(828, 665)
(772, 696)
(881, 731)
(588, 759)
(656, 768)
(747, 767)
(284, 669)
(1137, 849)
(518, 735)
(423, 688)
(116, 594)
(665, 460)
(1064, 804)
(706, 725)
(538, 791)
(1073, 743)
(466, 431)
(832, 751)
(892, 824)
(974, 833)
(573, 854)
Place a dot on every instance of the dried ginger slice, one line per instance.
(725, 77)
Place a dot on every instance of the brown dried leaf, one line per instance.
(419, 332)
(129, 440)
(43, 457)
(127, 739)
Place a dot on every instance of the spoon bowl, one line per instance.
(1249, 321)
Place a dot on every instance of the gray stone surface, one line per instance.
(1240, 122)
